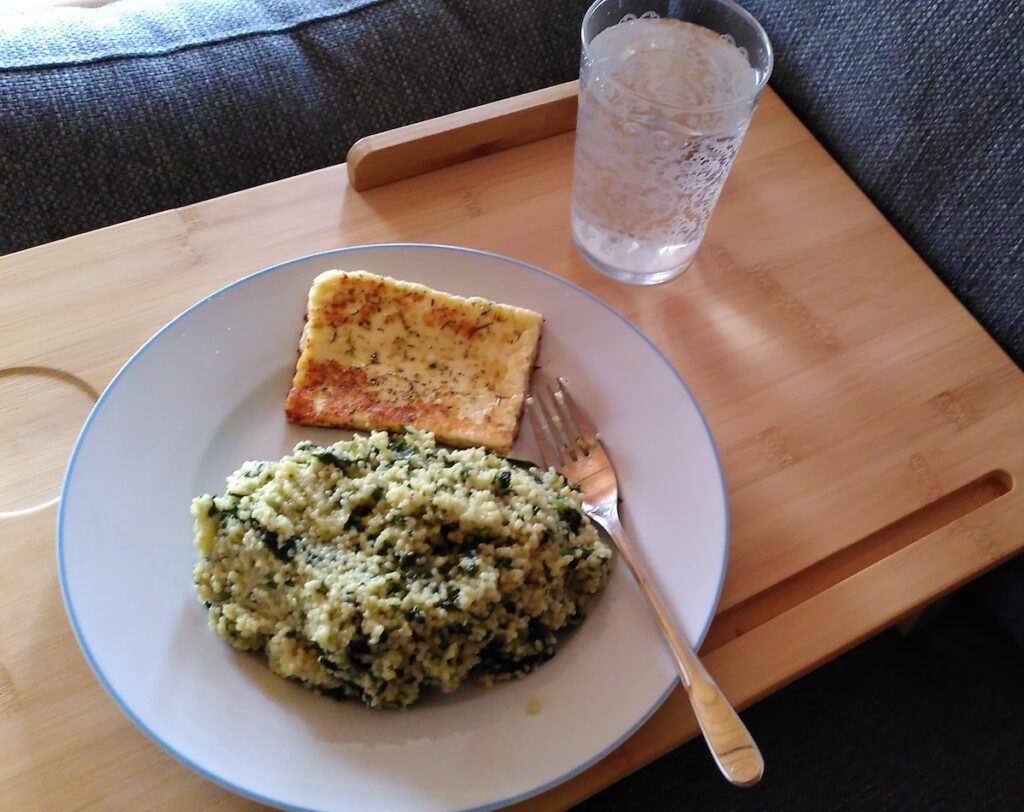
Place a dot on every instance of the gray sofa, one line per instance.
(113, 113)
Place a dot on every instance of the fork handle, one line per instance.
(730, 742)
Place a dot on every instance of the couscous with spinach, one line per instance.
(384, 564)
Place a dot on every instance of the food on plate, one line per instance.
(378, 566)
(379, 353)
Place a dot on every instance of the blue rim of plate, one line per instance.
(246, 279)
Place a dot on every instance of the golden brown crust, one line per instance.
(377, 353)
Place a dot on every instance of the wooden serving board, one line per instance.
(870, 431)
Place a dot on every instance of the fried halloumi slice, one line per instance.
(380, 353)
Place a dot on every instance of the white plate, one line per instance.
(207, 392)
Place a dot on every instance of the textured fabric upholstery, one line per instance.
(112, 113)
(923, 104)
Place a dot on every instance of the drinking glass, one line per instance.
(667, 89)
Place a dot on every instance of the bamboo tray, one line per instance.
(871, 432)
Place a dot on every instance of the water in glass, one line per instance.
(663, 107)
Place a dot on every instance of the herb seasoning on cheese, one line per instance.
(379, 353)
(378, 566)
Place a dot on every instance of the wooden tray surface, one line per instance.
(870, 431)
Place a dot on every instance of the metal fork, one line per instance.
(573, 448)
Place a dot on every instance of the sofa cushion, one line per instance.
(111, 113)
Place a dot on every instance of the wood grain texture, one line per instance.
(845, 386)
(408, 151)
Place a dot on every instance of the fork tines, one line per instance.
(562, 431)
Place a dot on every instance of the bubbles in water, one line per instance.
(649, 168)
